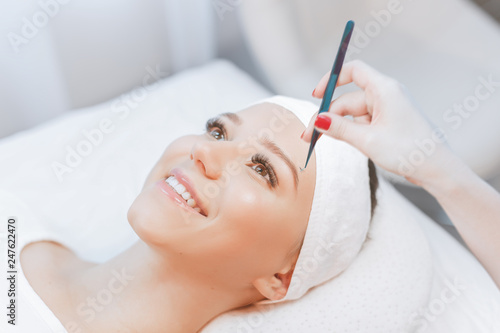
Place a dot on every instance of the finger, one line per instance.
(355, 71)
(352, 104)
(361, 74)
(366, 119)
(306, 136)
(345, 129)
(319, 91)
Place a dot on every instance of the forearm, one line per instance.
(387, 128)
(474, 208)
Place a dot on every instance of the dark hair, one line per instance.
(372, 172)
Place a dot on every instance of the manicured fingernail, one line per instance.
(323, 122)
(313, 92)
(302, 135)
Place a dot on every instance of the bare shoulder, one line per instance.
(42, 253)
(44, 262)
(48, 267)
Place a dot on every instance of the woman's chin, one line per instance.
(155, 220)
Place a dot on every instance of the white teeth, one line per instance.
(172, 181)
(180, 188)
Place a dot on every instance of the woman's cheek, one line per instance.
(246, 191)
(247, 203)
(179, 147)
(262, 217)
(176, 152)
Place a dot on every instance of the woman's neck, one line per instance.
(139, 291)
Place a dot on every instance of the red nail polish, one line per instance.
(313, 92)
(323, 122)
(302, 135)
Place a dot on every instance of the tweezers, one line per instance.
(332, 81)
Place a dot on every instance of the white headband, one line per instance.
(341, 209)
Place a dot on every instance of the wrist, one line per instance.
(446, 173)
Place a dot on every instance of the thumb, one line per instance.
(341, 128)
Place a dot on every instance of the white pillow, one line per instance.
(391, 279)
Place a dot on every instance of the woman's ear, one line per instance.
(274, 287)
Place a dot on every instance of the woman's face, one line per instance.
(253, 200)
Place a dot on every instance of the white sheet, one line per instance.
(399, 272)
(29, 312)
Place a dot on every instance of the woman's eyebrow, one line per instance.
(232, 116)
(270, 145)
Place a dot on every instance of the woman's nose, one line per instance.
(212, 157)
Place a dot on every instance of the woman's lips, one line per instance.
(184, 180)
(174, 196)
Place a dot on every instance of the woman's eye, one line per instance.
(217, 134)
(260, 169)
(262, 166)
(216, 129)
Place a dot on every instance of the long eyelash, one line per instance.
(217, 123)
(262, 159)
(256, 159)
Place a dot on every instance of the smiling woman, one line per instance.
(225, 219)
